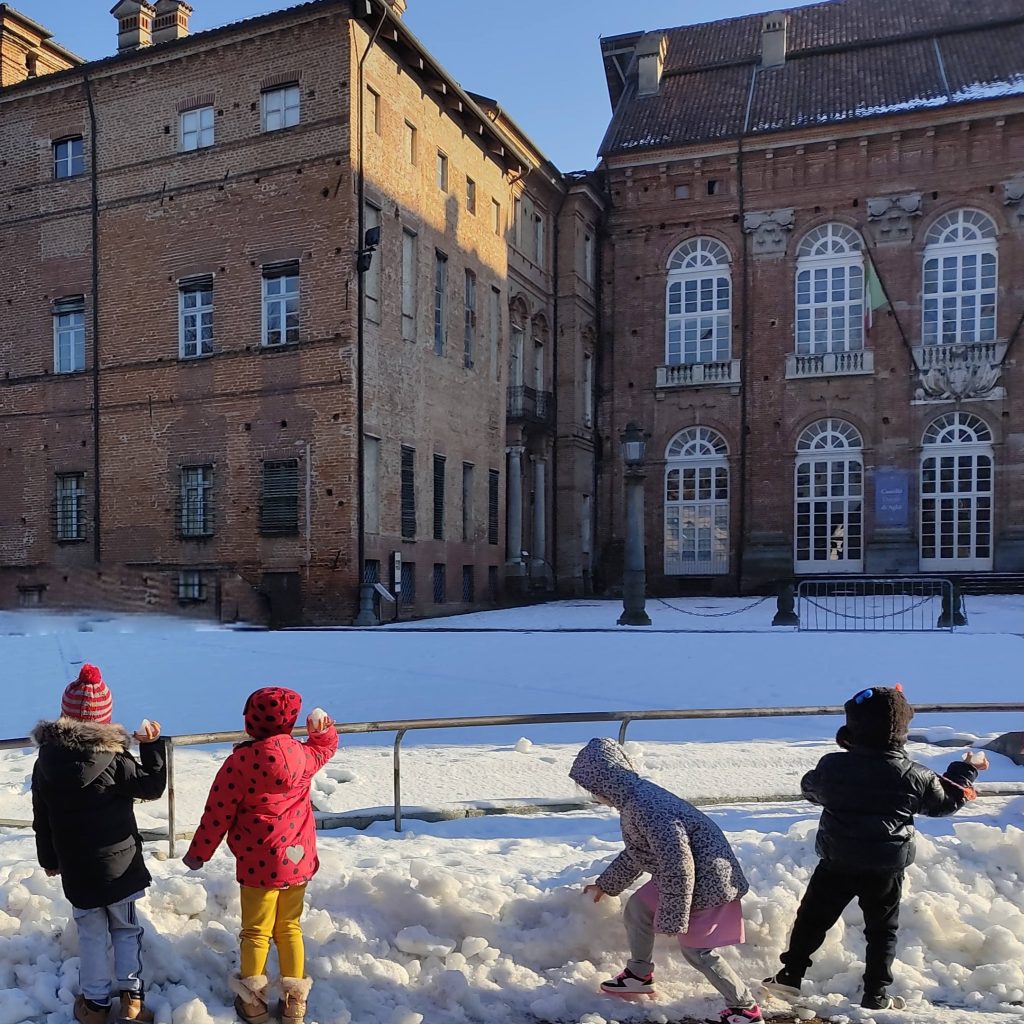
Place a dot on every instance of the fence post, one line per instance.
(622, 730)
(399, 736)
(952, 614)
(171, 810)
(785, 604)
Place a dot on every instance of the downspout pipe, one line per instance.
(94, 203)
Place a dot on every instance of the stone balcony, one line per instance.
(830, 364)
(695, 375)
(960, 372)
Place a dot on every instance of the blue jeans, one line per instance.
(98, 929)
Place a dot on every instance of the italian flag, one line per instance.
(874, 293)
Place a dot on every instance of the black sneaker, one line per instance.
(782, 986)
(629, 984)
(883, 1001)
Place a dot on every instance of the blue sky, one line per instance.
(540, 58)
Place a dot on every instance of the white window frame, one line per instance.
(960, 279)
(196, 129)
(276, 300)
(69, 522)
(195, 317)
(69, 335)
(829, 295)
(957, 486)
(281, 108)
(69, 158)
(696, 504)
(410, 283)
(830, 469)
(196, 495)
(698, 303)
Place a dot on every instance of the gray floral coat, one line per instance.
(683, 850)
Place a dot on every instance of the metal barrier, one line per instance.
(898, 605)
(401, 727)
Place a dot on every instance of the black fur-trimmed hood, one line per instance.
(74, 754)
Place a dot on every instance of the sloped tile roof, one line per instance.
(846, 60)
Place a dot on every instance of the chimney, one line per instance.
(773, 40)
(398, 6)
(171, 20)
(650, 62)
(134, 24)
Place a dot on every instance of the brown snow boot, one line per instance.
(88, 1012)
(251, 1002)
(133, 1007)
(294, 993)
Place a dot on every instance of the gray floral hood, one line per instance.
(684, 851)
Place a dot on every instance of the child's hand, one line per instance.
(148, 732)
(319, 721)
(192, 862)
(978, 758)
(595, 892)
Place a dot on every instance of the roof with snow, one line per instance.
(845, 60)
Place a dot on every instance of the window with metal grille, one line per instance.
(281, 304)
(470, 333)
(195, 517)
(191, 587)
(195, 317)
(440, 300)
(440, 583)
(439, 465)
(408, 583)
(69, 335)
(69, 520)
(371, 570)
(279, 505)
(492, 506)
(408, 493)
(468, 584)
(492, 583)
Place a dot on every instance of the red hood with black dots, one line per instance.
(260, 801)
(271, 711)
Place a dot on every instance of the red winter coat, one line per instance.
(260, 797)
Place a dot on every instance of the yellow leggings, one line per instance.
(272, 913)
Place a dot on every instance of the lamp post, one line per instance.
(634, 576)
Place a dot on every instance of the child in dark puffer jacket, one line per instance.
(260, 800)
(869, 793)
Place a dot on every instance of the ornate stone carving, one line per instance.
(1013, 197)
(890, 217)
(955, 373)
(769, 229)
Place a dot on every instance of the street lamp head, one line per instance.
(634, 445)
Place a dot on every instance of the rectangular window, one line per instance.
(195, 317)
(408, 582)
(408, 493)
(280, 108)
(70, 509)
(538, 240)
(517, 219)
(190, 586)
(588, 259)
(196, 502)
(68, 158)
(440, 303)
(440, 583)
(371, 486)
(409, 273)
(69, 335)
(470, 196)
(279, 504)
(469, 338)
(196, 129)
(411, 142)
(538, 364)
(439, 469)
(468, 584)
(371, 570)
(495, 326)
(442, 171)
(281, 304)
(496, 216)
(373, 109)
(468, 510)
(371, 279)
(588, 389)
(492, 506)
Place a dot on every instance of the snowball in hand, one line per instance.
(145, 727)
(317, 717)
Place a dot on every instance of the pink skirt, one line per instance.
(717, 926)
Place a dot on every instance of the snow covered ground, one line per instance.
(482, 919)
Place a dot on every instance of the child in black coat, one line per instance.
(84, 786)
(869, 794)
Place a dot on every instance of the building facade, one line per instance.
(813, 293)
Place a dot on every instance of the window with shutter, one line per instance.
(439, 464)
(279, 505)
(408, 493)
(492, 506)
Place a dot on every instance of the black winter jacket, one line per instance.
(83, 790)
(869, 798)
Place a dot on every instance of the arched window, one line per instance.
(829, 499)
(956, 493)
(960, 279)
(830, 291)
(697, 504)
(698, 304)
(519, 317)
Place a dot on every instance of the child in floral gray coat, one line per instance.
(696, 881)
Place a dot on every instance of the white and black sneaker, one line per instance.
(884, 1002)
(782, 987)
(629, 984)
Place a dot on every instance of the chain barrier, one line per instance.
(712, 615)
(871, 618)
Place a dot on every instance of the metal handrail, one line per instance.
(402, 726)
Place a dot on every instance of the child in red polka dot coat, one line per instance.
(260, 801)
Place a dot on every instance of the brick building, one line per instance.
(813, 292)
(205, 401)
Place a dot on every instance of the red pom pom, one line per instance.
(90, 674)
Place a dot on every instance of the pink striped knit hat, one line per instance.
(88, 698)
